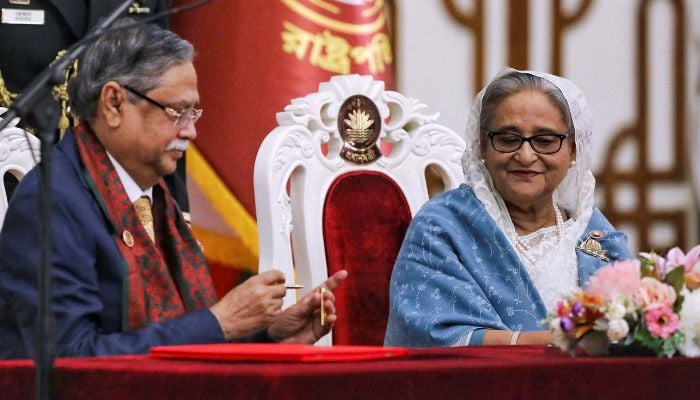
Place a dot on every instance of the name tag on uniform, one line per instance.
(22, 17)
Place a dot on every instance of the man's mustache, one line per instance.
(178, 144)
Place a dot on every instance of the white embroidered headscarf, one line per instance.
(575, 193)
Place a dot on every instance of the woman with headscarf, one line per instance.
(484, 263)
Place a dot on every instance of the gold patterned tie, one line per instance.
(143, 210)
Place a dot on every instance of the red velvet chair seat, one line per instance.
(365, 218)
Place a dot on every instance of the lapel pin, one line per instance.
(128, 238)
(591, 246)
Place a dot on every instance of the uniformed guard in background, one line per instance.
(33, 33)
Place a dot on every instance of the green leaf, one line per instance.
(675, 278)
(678, 305)
(644, 338)
(667, 349)
(671, 344)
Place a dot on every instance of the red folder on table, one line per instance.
(276, 352)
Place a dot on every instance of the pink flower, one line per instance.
(690, 261)
(661, 321)
(654, 293)
(620, 279)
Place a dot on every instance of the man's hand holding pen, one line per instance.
(310, 318)
(256, 305)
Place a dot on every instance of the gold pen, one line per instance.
(323, 309)
(293, 286)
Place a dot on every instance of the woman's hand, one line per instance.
(495, 338)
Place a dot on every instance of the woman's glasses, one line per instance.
(506, 142)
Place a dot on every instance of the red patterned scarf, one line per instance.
(160, 282)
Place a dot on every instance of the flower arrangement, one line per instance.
(650, 305)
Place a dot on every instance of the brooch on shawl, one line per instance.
(591, 246)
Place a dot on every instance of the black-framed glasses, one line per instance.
(506, 142)
(181, 118)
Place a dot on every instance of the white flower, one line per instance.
(616, 310)
(690, 325)
(559, 337)
(617, 329)
(555, 325)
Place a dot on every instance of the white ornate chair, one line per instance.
(327, 198)
(15, 158)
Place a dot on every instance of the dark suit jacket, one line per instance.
(25, 50)
(88, 274)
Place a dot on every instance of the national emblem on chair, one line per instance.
(19, 152)
(336, 185)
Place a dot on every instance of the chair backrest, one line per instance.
(16, 158)
(328, 198)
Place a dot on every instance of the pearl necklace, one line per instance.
(523, 246)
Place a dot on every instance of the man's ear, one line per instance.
(111, 105)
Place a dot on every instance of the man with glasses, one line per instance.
(485, 263)
(127, 273)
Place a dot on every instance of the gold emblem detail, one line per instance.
(128, 239)
(329, 16)
(359, 125)
(6, 97)
(591, 246)
(60, 91)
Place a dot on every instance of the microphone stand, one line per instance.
(45, 118)
(37, 106)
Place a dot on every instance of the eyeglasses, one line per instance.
(181, 118)
(505, 142)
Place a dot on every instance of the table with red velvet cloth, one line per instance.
(500, 372)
